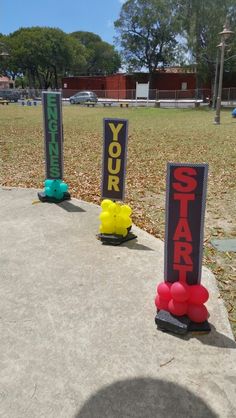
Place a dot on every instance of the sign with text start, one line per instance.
(114, 158)
(185, 211)
(53, 134)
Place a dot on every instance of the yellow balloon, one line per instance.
(105, 204)
(127, 222)
(105, 216)
(115, 218)
(121, 231)
(108, 228)
(123, 221)
(112, 208)
(126, 210)
(118, 221)
(118, 208)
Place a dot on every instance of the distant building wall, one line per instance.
(5, 83)
(121, 85)
(116, 84)
(84, 83)
(175, 81)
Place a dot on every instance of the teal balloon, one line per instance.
(58, 195)
(63, 187)
(48, 183)
(55, 188)
(48, 191)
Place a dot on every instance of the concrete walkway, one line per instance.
(78, 338)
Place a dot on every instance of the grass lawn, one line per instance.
(155, 137)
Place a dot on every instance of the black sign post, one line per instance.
(180, 298)
(185, 212)
(114, 158)
(117, 225)
(52, 115)
(55, 188)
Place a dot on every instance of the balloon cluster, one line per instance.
(55, 188)
(115, 218)
(182, 299)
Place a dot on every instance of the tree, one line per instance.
(101, 56)
(43, 55)
(147, 32)
(4, 54)
(201, 22)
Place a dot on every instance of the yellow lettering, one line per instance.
(115, 170)
(113, 145)
(113, 182)
(115, 130)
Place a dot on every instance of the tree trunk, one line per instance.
(39, 79)
(55, 77)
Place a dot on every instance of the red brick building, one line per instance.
(6, 83)
(123, 86)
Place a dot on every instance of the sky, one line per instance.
(95, 16)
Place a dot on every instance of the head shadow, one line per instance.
(145, 398)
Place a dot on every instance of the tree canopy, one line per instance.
(152, 33)
(201, 23)
(148, 32)
(101, 57)
(43, 55)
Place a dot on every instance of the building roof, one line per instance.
(178, 69)
(4, 79)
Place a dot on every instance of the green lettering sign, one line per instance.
(53, 134)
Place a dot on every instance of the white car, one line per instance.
(83, 96)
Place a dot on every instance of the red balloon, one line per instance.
(198, 294)
(177, 308)
(163, 290)
(180, 292)
(197, 313)
(161, 303)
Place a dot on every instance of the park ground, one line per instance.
(156, 136)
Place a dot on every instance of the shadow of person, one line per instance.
(145, 398)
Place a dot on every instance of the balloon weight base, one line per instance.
(180, 325)
(199, 328)
(114, 239)
(44, 198)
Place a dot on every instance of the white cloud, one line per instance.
(122, 1)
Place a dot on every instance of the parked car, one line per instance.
(11, 95)
(83, 96)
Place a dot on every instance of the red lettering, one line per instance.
(182, 269)
(183, 200)
(182, 230)
(183, 175)
(183, 249)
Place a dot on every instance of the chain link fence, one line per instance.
(228, 95)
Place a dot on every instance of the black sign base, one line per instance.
(180, 325)
(44, 198)
(114, 239)
(202, 328)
